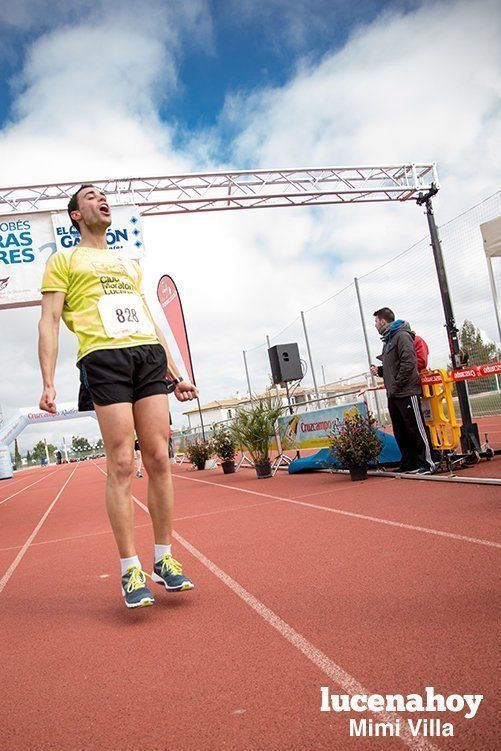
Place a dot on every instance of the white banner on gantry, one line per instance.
(28, 241)
(124, 236)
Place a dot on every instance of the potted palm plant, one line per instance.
(355, 443)
(253, 427)
(198, 452)
(225, 445)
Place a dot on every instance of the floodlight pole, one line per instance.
(247, 374)
(470, 440)
(310, 357)
(201, 418)
(367, 348)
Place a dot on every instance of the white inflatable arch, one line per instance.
(30, 416)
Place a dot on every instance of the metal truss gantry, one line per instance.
(249, 189)
(259, 189)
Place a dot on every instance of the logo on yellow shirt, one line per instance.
(109, 275)
(109, 267)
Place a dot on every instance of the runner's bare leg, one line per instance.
(151, 419)
(117, 429)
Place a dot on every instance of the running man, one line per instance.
(124, 362)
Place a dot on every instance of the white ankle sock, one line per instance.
(126, 562)
(161, 550)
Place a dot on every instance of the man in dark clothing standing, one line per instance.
(403, 387)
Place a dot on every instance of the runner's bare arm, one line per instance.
(48, 335)
(172, 370)
(184, 391)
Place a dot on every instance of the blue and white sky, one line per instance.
(218, 47)
(93, 90)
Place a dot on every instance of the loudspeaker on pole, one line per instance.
(285, 363)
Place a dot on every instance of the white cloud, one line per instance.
(412, 86)
(39, 14)
(415, 86)
(87, 107)
(89, 94)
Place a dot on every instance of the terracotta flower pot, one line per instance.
(358, 473)
(228, 466)
(263, 469)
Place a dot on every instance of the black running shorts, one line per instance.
(85, 403)
(113, 376)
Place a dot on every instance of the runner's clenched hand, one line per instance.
(185, 391)
(48, 400)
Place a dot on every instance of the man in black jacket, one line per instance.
(403, 387)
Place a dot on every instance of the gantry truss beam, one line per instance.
(221, 191)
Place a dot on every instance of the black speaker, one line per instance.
(285, 363)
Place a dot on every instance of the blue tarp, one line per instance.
(324, 459)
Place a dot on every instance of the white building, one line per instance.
(303, 399)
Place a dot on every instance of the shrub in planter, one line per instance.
(355, 443)
(225, 446)
(198, 452)
(253, 427)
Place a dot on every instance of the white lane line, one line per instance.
(13, 481)
(17, 560)
(136, 526)
(28, 474)
(329, 490)
(22, 474)
(27, 486)
(6, 485)
(352, 514)
(334, 672)
(223, 510)
(69, 539)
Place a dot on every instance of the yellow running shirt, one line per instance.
(103, 303)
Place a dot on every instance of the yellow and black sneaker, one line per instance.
(169, 573)
(136, 593)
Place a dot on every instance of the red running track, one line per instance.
(490, 427)
(302, 581)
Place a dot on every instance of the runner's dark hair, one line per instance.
(73, 203)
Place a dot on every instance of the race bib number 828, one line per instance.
(124, 314)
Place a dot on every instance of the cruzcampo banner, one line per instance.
(313, 429)
(26, 243)
(123, 236)
(168, 297)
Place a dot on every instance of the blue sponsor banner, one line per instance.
(26, 243)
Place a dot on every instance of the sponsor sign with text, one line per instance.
(313, 429)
